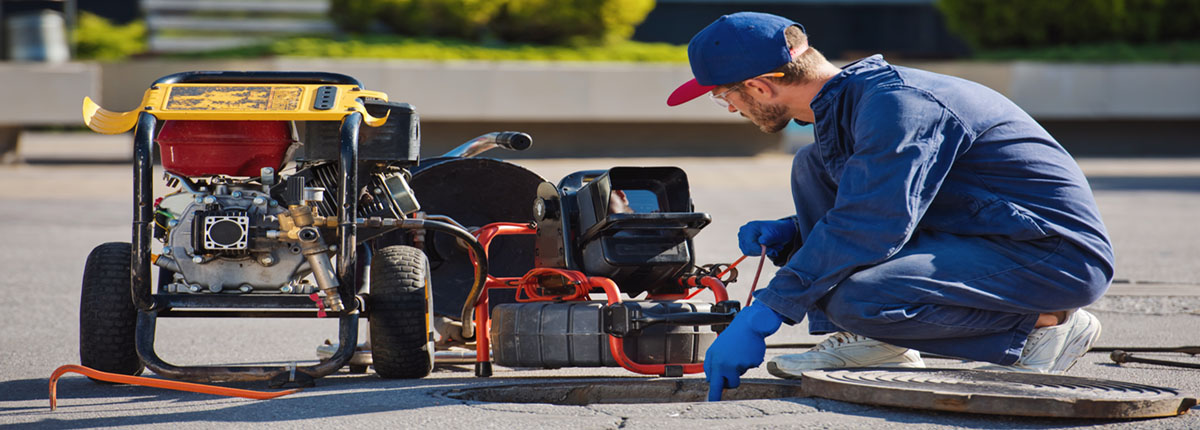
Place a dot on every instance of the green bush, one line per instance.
(515, 21)
(355, 16)
(988, 24)
(96, 38)
(465, 19)
(582, 21)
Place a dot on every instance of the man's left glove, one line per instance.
(776, 235)
(739, 348)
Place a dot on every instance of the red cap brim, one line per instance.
(687, 92)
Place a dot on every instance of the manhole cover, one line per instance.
(622, 391)
(1000, 393)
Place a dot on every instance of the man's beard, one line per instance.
(768, 118)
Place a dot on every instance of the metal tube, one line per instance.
(474, 146)
(1120, 357)
(348, 202)
(513, 140)
(322, 270)
(143, 207)
(144, 341)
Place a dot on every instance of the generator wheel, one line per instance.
(400, 313)
(107, 314)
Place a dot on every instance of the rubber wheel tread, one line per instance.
(400, 313)
(107, 314)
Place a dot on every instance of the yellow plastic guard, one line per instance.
(263, 102)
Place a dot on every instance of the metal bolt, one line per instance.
(274, 203)
(210, 200)
(258, 201)
(333, 248)
(286, 289)
(266, 260)
(246, 288)
(237, 194)
(172, 223)
(199, 199)
(216, 288)
(197, 259)
(195, 288)
(167, 251)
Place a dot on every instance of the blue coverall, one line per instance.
(935, 214)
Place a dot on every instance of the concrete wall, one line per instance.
(619, 109)
(46, 94)
(41, 94)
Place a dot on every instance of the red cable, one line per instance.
(761, 258)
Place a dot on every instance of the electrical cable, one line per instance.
(157, 383)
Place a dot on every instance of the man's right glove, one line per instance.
(739, 348)
(776, 235)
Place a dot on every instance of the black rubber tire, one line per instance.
(401, 313)
(107, 314)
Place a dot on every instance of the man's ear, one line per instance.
(760, 88)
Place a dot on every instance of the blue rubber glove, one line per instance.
(740, 347)
(775, 234)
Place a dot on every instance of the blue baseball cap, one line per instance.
(734, 48)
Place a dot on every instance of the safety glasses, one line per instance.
(721, 100)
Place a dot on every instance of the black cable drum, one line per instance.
(474, 192)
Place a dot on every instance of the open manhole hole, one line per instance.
(622, 391)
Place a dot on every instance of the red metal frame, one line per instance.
(583, 285)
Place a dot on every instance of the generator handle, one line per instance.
(511, 140)
(258, 77)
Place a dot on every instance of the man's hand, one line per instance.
(740, 347)
(775, 235)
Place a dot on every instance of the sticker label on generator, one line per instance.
(235, 98)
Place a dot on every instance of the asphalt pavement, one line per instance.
(58, 206)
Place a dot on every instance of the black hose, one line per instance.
(468, 310)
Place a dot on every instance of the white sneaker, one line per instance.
(844, 349)
(1055, 349)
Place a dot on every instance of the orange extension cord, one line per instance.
(157, 383)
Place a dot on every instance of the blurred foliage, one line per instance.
(466, 19)
(533, 21)
(1016, 24)
(400, 47)
(96, 38)
(577, 23)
